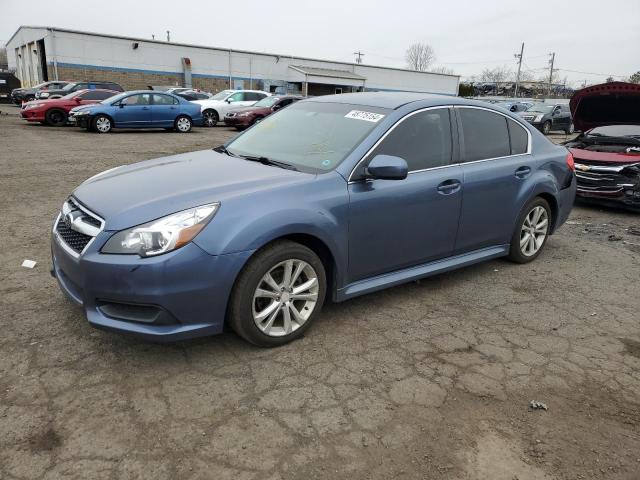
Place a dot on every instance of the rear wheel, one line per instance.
(570, 129)
(101, 124)
(531, 232)
(278, 294)
(29, 98)
(546, 127)
(56, 117)
(183, 124)
(210, 118)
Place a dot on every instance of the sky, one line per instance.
(592, 39)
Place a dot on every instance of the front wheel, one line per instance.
(210, 118)
(570, 129)
(183, 124)
(55, 117)
(546, 127)
(532, 231)
(101, 124)
(278, 294)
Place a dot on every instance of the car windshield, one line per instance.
(267, 102)
(616, 131)
(310, 136)
(222, 95)
(69, 86)
(541, 108)
(115, 98)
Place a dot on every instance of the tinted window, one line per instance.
(96, 95)
(422, 139)
(142, 99)
(519, 138)
(163, 100)
(484, 134)
(236, 97)
(253, 96)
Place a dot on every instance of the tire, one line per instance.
(183, 124)
(101, 124)
(55, 117)
(525, 248)
(29, 98)
(274, 307)
(570, 129)
(210, 118)
(546, 127)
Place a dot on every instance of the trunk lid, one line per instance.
(613, 103)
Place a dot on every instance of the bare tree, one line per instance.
(496, 75)
(3, 59)
(635, 78)
(419, 56)
(443, 70)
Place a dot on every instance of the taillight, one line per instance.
(570, 163)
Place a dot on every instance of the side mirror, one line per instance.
(387, 167)
(229, 100)
(276, 107)
(121, 105)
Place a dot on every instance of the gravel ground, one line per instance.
(426, 380)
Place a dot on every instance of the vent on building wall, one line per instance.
(134, 45)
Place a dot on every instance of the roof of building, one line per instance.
(106, 35)
(383, 99)
(327, 72)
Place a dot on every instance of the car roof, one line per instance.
(394, 100)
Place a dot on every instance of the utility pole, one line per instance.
(359, 56)
(153, 37)
(519, 57)
(553, 58)
(168, 36)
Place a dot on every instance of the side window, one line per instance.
(162, 99)
(96, 95)
(519, 138)
(422, 139)
(484, 134)
(141, 99)
(237, 97)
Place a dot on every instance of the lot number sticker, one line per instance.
(366, 116)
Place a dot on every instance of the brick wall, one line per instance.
(136, 80)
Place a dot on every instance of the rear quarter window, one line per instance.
(484, 134)
(519, 138)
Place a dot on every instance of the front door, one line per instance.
(134, 111)
(394, 224)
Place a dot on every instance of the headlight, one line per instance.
(44, 94)
(80, 112)
(33, 105)
(538, 118)
(162, 235)
(245, 114)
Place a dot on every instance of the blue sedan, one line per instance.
(327, 199)
(139, 109)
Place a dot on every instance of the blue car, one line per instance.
(330, 198)
(138, 109)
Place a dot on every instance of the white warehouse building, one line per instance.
(39, 54)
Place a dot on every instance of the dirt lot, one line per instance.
(423, 381)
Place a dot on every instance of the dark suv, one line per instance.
(19, 95)
(75, 86)
(548, 116)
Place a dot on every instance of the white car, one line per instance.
(215, 108)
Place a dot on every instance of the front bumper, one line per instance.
(236, 121)
(34, 115)
(188, 286)
(605, 184)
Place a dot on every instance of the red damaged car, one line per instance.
(246, 117)
(55, 112)
(607, 153)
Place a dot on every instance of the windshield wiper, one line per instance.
(268, 161)
(223, 149)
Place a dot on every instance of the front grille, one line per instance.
(76, 240)
(91, 221)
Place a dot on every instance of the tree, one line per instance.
(443, 70)
(635, 78)
(419, 56)
(3, 59)
(496, 75)
(610, 79)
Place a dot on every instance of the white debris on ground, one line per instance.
(535, 405)
(29, 263)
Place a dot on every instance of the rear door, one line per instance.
(495, 164)
(394, 224)
(134, 111)
(164, 110)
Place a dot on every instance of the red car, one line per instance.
(246, 117)
(55, 112)
(607, 153)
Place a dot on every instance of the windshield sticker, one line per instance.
(366, 116)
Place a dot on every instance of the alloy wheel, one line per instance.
(183, 124)
(534, 231)
(210, 119)
(285, 298)
(103, 124)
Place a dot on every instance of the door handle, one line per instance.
(145, 108)
(523, 172)
(449, 186)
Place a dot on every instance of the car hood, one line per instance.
(134, 194)
(252, 110)
(580, 154)
(613, 103)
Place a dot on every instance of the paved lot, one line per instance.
(422, 381)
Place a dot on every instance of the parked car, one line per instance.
(74, 87)
(19, 95)
(547, 117)
(55, 112)
(515, 106)
(192, 95)
(607, 153)
(246, 117)
(139, 109)
(330, 198)
(215, 108)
